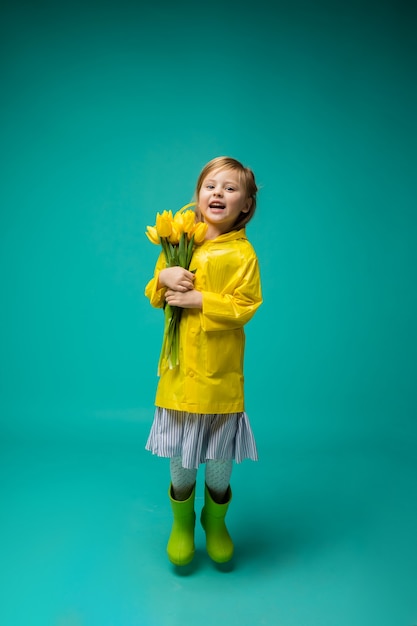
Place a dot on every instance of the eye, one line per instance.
(209, 186)
(230, 188)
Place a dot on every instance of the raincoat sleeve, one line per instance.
(156, 296)
(238, 301)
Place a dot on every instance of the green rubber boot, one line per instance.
(219, 544)
(180, 546)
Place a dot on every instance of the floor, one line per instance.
(324, 535)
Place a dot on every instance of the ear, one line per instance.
(247, 206)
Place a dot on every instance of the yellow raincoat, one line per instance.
(209, 378)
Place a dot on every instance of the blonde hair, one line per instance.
(246, 176)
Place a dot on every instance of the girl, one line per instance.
(199, 415)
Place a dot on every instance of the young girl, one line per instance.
(199, 415)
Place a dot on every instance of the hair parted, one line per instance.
(246, 176)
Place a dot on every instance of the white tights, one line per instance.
(217, 478)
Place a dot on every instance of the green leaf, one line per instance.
(165, 249)
(182, 251)
(190, 249)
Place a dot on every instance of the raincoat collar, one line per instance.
(230, 236)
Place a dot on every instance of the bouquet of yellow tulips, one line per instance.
(177, 234)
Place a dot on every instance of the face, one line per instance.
(222, 198)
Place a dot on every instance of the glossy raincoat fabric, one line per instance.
(209, 378)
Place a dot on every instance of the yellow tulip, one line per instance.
(199, 231)
(152, 234)
(179, 221)
(175, 235)
(188, 221)
(164, 223)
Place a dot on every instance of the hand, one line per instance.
(176, 278)
(191, 299)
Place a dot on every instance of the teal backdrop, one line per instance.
(109, 110)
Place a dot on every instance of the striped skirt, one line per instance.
(197, 437)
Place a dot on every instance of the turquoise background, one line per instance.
(109, 112)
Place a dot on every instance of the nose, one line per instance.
(218, 191)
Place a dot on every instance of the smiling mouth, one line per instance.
(216, 205)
